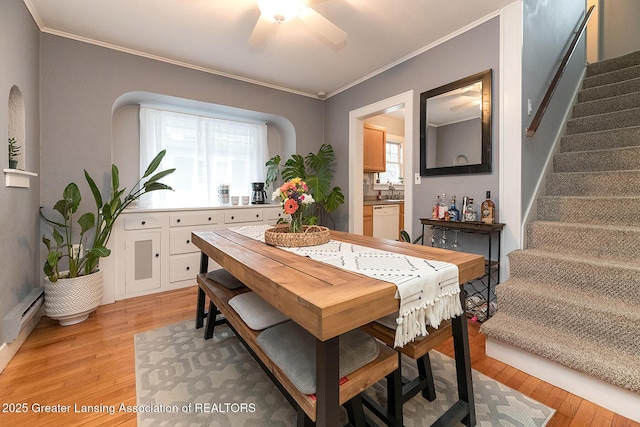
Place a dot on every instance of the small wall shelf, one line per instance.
(18, 178)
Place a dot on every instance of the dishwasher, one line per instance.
(386, 220)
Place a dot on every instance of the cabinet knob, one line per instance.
(257, 215)
(188, 268)
(188, 241)
(209, 218)
(178, 220)
(143, 222)
(232, 217)
(157, 255)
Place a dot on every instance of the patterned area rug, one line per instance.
(183, 380)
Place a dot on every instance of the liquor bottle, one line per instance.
(463, 208)
(488, 210)
(454, 214)
(436, 207)
(443, 206)
(470, 212)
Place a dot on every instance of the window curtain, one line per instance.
(206, 153)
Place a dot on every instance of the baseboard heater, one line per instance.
(21, 314)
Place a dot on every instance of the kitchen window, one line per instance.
(393, 171)
(206, 152)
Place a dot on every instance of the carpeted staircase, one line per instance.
(573, 295)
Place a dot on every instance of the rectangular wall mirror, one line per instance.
(455, 127)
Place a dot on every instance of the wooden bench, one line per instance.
(417, 350)
(384, 366)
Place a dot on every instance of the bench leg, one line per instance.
(424, 371)
(355, 411)
(211, 320)
(302, 419)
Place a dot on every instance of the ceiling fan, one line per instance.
(274, 12)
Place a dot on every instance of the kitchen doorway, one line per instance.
(356, 131)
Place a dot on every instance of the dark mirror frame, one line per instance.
(485, 165)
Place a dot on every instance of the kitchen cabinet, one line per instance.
(367, 220)
(375, 150)
(153, 250)
(142, 255)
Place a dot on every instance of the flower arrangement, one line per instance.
(295, 198)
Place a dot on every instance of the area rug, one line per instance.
(183, 380)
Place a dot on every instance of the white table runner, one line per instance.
(428, 290)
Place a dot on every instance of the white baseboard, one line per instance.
(8, 350)
(613, 398)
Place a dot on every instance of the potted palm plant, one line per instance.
(14, 151)
(73, 283)
(317, 171)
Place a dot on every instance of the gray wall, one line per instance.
(20, 246)
(82, 84)
(464, 55)
(459, 138)
(548, 28)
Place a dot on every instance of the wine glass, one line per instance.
(455, 245)
(433, 237)
(443, 239)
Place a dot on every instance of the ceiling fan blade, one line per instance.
(261, 32)
(322, 26)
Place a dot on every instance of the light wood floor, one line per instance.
(92, 364)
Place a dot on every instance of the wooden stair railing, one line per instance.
(531, 130)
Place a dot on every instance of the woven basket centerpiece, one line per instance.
(281, 236)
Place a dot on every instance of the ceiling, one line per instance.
(213, 35)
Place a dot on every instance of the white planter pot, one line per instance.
(70, 301)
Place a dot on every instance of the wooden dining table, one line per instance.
(328, 301)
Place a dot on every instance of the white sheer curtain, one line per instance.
(205, 151)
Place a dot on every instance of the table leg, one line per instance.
(327, 380)
(463, 366)
(204, 266)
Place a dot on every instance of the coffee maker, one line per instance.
(258, 195)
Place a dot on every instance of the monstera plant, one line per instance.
(317, 171)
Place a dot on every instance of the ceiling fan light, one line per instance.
(281, 10)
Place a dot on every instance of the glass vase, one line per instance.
(295, 226)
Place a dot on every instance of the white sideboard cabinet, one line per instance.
(153, 250)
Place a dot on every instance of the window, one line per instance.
(393, 171)
(206, 152)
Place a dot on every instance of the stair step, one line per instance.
(599, 122)
(606, 321)
(616, 279)
(613, 64)
(609, 90)
(604, 242)
(593, 184)
(620, 211)
(615, 76)
(613, 138)
(609, 364)
(607, 105)
(614, 159)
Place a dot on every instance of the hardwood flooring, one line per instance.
(90, 367)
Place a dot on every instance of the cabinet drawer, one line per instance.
(180, 240)
(141, 222)
(271, 216)
(245, 215)
(184, 267)
(199, 218)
